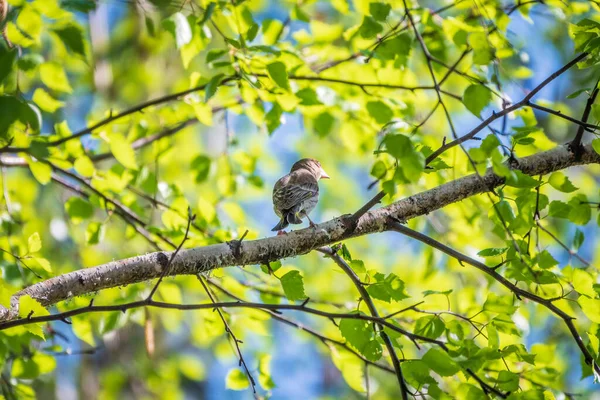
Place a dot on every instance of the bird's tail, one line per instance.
(281, 225)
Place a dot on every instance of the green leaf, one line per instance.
(123, 151)
(53, 75)
(72, 36)
(358, 266)
(520, 180)
(508, 381)
(201, 166)
(379, 11)
(397, 48)
(29, 307)
(236, 380)
(212, 86)
(264, 372)
(360, 335)
(580, 212)
(440, 362)
(590, 307)
(380, 112)
(476, 98)
(7, 61)
(559, 209)
(561, 182)
(278, 72)
(499, 304)
(583, 283)
(252, 32)
(29, 62)
(275, 265)
(84, 166)
(308, 97)
(324, 123)
(14, 110)
(370, 28)
(379, 170)
(578, 239)
(387, 288)
(430, 326)
(34, 243)
(492, 251)
(45, 101)
(273, 118)
(42, 172)
(78, 209)
(545, 260)
(482, 52)
(94, 233)
(293, 285)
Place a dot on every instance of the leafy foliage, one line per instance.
(113, 127)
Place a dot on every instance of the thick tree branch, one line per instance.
(202, 259)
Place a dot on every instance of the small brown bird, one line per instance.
(296, 194)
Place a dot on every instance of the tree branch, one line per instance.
(202, 259)
(373, 311)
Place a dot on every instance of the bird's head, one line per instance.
(311, 165)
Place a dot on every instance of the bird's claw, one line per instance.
(280, 233)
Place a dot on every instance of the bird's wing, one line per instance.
(296, 189)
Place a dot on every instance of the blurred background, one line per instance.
(226, 172)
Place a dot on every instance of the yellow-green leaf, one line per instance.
(34, 243)
(42, 172)
(45, 101)
(53, 75)
(123, 151)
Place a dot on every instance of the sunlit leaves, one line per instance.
(41, 171)
(361, 336)
(379, 11)
(15, 110)
(370, 28)
(201, 166)
(236, 380)
(590, 307)
(586, 35)
(440, 362)
(78, 209)
(45, 101)
(123, 151)
(596, 145)
(380, 112)
(324, 123)
(499, 304)
(212, 86)
(411, 161)
(29, 307)
(34, 243)
(293, 285)
(580, 212)
(273, 118)
(430, 326)
(72, 37)
(387, 288)
(264, 372)
(94, 233)
(476, 98)
(560, 181)
(53, 75)
(33, 366)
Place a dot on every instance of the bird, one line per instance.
(296, 194)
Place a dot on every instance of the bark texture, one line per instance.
(261, 251)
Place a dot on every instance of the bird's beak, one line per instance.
(324, 174)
